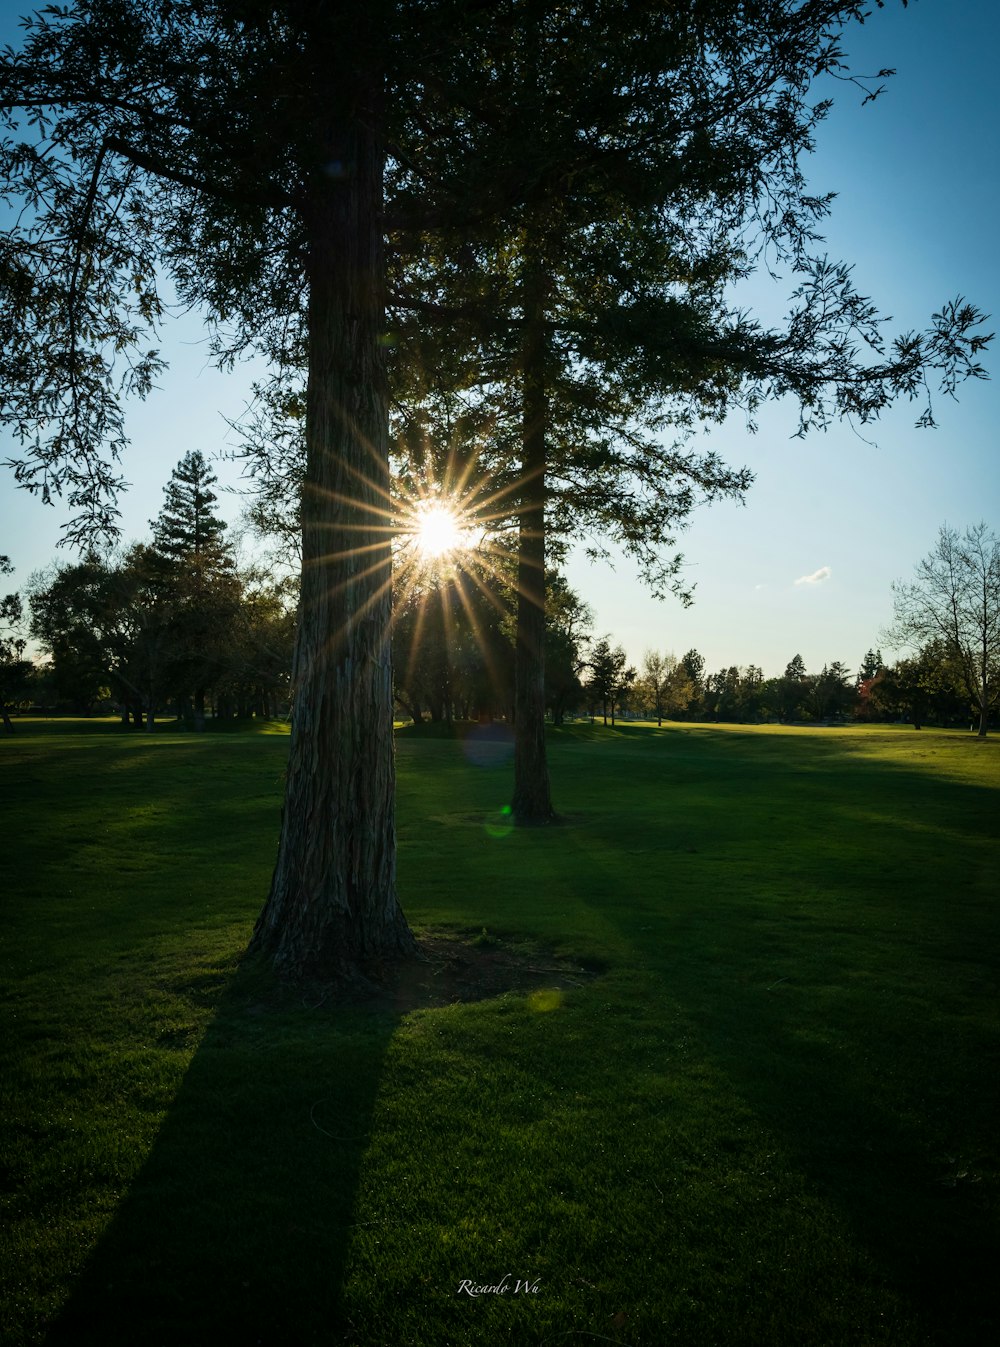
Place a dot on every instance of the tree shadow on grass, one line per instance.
(911, 1185)
(908, 1183)
(237, 1227)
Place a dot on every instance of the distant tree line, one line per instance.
(171, 625)
(453, 658)
(175, 626)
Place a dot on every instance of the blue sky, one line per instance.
(917, 215)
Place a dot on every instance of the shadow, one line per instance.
(885, 1105)
(237, 1227)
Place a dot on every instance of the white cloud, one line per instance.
(816, 578)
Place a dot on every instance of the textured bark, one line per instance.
(984, 668)
(532, 801)
(332, 909)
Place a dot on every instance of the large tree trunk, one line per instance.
(532, 802)
(332, 909)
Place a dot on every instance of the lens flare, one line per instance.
(500, 824)
(438, 531)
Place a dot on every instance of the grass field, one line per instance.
(772, 1119)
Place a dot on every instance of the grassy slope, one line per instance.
(772, 1120)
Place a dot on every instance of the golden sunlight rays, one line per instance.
(441, 537)
(439, 530)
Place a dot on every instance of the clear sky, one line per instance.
(918, 178)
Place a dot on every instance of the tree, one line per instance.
(927, 687)
(608, 294)
(108, 622)
(73, 614)
(205, 592)
(664, 685)
(610, 675)
(786, 696)
(954, 599)
(186, 526)
(15, 671)
(722, 694)
(870, 666)
(831, 692)
(734, 693)
(567, 623)
(257, 675)
(656, 670)
(241, 150)
(693, 665)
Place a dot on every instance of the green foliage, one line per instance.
(568, 621)
(610, 679)
(15, 671)
(732, 694)
(926, 688)
(870, 665)
(186, 528)
(164, 631)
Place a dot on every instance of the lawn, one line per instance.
(771, 1119)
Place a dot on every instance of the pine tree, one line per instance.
(870, 666)
(199, 583)
(186, 525)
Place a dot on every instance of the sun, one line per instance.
(438, 531)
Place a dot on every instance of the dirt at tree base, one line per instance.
(449, 967)
(454, 968)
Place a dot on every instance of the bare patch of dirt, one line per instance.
(453, 968)
(448, 968)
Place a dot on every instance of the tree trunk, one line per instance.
(332, 910)
(984, 674)
(532, 801)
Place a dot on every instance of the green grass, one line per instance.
(772, 1120)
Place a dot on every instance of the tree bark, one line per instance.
(332, 910)
(532, 801)
(984, 669)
